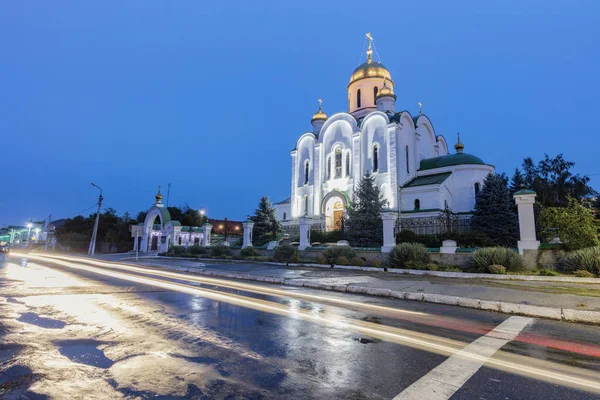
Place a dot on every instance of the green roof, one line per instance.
(434, 179)
(449, 160)
(165, 214)
(524, 191)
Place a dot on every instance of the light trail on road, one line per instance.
(533, 368)
(407, 315)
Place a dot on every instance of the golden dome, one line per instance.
(158, 196)
(459, 147)
(319, 115)
(370, 69)
(385, 91)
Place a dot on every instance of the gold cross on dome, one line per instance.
(420, 108)
(369, 36)
(320, 102)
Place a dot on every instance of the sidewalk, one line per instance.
(569, 301)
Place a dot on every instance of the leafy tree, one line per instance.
(574, 225)
(141, 217)
(494, 213)
(554, 182)
(364, 225)
(266, 225)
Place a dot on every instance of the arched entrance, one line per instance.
(333, 208)
(151, 238)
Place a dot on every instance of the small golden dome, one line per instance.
(385, 91)
(459, 147)
(319, 115)
(158, 196)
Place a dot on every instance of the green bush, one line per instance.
(325, 237)
(286, 253)
(375, 263)
(176, 250)
(407, 253)
(260, 258)
(219, 251)
(196, 249)
(574, 225)
(249, 252)
(547, 272)
(332, 253)
(481, 259)
(321, 260)
(585, 259)
(496, 269)
(357, 261)
(582, 273)
(465, 240)
(342, 260)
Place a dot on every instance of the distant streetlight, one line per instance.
(92, 248)
(29, 225)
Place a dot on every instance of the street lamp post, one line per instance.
(29, 225)
(92, 248)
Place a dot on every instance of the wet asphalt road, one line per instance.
(68, 333)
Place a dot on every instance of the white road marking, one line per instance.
(448, 377)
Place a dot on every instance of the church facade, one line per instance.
(417, 174)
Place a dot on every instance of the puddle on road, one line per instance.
(85, 352)
(34, 319)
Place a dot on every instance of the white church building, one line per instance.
(417, 174)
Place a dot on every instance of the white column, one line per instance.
(304, 233)
(389, 240)
(525, 200)
(206, 228)
(247, 226)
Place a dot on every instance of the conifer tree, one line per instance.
(266, 225)
(494, 213)
(517, 182)
(364, 225)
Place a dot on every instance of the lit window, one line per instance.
(338, 163)
(375, 90)
(417, 204)
(358, 98)
(375, 158)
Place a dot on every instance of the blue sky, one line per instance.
(212, 96)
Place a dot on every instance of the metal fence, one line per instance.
(446, 222)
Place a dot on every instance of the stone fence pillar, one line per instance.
(206, 229)
(248, 226)
(389, 221)
(304, 233)
(525, 200)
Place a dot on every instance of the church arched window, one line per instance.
(348, 164)
(376, 158)
(417, 204)
(375, 90)
(338, 163)
(305, 205)
(284, 216)
(477, 188)
(407, 162)
(358, 98)
(306, 172)
(328, 172)
(445, 204)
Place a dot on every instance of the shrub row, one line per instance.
(465, 240)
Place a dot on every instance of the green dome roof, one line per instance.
(449, 160)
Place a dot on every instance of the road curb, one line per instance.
(559, 314)
(440, 274)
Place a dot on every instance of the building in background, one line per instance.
(412, 164)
